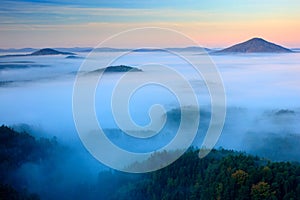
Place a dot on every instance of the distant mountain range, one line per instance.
(104, 49)
(41, 52)
(185, 49)
(255, 45)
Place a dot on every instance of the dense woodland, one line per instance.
(223, 174)
(17, 149)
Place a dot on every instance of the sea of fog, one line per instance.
(262, 96)
(262, 105)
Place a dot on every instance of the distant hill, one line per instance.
(48, 51)
(118, 68)
(41, 52)
(74, 49)
(149, 50)
(255, 45)
(73, 57)
(193, 48)
(296, 50)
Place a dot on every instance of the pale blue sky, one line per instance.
(36, 23)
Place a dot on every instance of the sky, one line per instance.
(211, 23)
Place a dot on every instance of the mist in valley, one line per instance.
(262, 111)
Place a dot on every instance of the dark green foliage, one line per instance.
(221, 175)
(17, 149)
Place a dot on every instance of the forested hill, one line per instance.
(222, 174)
(16, 150)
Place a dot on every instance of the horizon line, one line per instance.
(132, 48)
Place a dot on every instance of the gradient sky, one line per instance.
(212, 23)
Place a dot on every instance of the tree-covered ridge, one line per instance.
(17, 149)
(222, 174)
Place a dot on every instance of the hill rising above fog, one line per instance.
(48, 51)
(118, 68)
(255, 45)
(41, 52)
